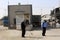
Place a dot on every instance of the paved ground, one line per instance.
(51, 34)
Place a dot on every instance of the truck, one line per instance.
(36, 20)
(5, 21)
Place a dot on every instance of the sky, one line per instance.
(39, 7)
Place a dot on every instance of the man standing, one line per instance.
(23, 26)
(44, 25)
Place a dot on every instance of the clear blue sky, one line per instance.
(39, 6)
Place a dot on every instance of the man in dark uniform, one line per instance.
(23, 26)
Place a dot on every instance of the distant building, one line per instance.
(46, 17)
(55, 14)
(18, 13)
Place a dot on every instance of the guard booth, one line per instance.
(18, 13)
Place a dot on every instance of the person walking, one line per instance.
(44, 25)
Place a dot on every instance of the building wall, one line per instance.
(18, 9)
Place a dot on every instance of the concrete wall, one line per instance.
(17, 9)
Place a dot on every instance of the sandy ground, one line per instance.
(6, 34)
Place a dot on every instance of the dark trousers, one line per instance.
(43, 31)
(23, 32)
